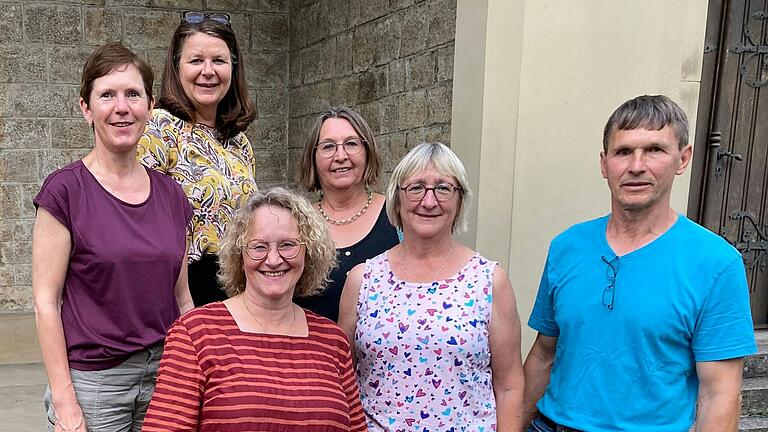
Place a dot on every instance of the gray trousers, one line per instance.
(115, 399)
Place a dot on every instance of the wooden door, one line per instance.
(733, 146)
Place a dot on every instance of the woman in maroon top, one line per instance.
(257, 361)
(108, 258)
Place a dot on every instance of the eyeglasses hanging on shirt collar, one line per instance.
(609, 293)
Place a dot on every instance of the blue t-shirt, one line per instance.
(679, 300)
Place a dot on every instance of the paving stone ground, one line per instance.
(22, 387)
(21, 395)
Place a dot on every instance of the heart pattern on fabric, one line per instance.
(422, 349)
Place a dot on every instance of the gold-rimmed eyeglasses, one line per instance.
(351, 146)
(258, 249)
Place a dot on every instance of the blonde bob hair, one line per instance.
(320, 255)
(446, 163)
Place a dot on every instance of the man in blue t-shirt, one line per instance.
(640, 313)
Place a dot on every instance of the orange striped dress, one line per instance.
(214, 377)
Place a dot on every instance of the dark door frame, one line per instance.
(710, 73)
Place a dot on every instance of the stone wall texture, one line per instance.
(43, 46)
(392, 60)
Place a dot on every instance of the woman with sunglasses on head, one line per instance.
(341, 161)
(196, 136)
(433, 324)
(257, 361)
(108, 259)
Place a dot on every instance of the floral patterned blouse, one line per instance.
(215, 175)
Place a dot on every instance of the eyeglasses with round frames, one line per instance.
(194, 17)
(352, 146)
(417, 191)
(258, 249)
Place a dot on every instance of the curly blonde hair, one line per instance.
(321, 252)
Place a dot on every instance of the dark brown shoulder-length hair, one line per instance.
(236, 111)
(308, 171)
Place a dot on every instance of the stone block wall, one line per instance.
(43, 45)
(390, 60)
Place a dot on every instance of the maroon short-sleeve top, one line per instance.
(125, 259)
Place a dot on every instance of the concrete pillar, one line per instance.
(534, 83)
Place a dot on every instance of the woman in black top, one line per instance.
(341, 161)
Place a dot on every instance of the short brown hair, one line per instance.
(321, 251)
(235, 112)
(308, 171)
(648, 112)
(107, 58)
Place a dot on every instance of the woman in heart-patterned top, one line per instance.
(434, 324)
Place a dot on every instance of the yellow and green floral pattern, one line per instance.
(215, 175)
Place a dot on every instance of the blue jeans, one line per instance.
(114, 399)
(539, 426)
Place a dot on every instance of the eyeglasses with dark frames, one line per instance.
(196, 17)
(258, 249)
(417, 191)
(609, 293)
(352, 146)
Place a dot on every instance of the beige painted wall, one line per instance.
(545, 76)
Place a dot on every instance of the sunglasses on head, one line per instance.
(194, 17)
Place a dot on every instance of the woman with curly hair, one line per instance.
(257, 361)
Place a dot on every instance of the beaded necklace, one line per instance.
(348, 220)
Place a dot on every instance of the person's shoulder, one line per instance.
(589, 226)
(700, 240)
(65, 175)
(324, 326)
(378, 260)
(323, 323)
(587, 230)
(161, 115)
(241, 141)
(695, 231)
(211, 314)
(241, 138)
(475, 255)
(160, 123)
(378, 263)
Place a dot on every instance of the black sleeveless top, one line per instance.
(382, 237)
